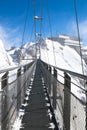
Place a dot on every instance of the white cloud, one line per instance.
(83, 29)
(10, 37)
(72, 29)
(3, 34)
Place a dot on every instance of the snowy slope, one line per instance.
(66, 57)
(5, 58)
(15, 54)
(27, 51)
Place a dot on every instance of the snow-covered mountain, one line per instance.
(57, 54)
(5, 58)
(52, 52)
(65, 56)
(15, 54)
(24, 53)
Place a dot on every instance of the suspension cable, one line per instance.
(31, 34)
(32, 29)
(41, 15)
(34, 7)
(78, 32)
(51, 33)
(41, 28)
(21, 55)
(46, 49)
(25, 23)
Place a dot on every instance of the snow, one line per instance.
(66, 57)
(18, 121)
(17, 124)
(12, 51)
(27, 45)
(5, 59)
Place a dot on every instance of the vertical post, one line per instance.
(4, 104)
(67, 103)
(55, 88)
(18, 88)
(50, 80)
(46, 66)
(86, 108)
(50, 69)
(0, 108)
(4, 80)
(25, 69)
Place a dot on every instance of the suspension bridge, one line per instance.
(39, 100)
(34, 94)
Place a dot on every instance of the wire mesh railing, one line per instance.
(65, 89)
(13, 86)
(67, 97)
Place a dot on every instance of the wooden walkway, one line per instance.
(37, 113)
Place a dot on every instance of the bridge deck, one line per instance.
(36, 115)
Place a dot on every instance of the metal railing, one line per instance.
(69, 107)
(14, 82)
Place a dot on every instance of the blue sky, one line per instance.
(62, 19)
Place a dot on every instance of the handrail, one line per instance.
(13, 98)
(67, 87)
(71, 82)
(63, 100)
(13, 68)
(68, 71)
